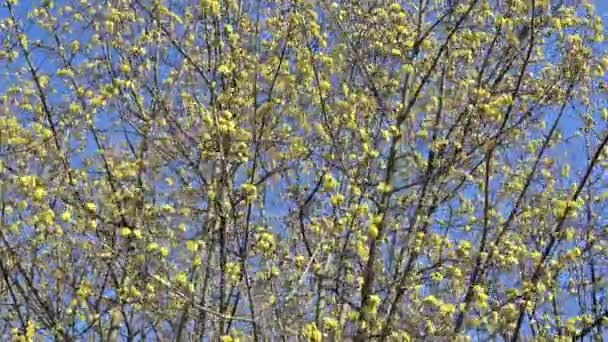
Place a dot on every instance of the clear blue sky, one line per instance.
(601, 7)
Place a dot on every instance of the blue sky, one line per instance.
(602, 7)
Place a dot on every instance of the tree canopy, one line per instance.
(252, 170)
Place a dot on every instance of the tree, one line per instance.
(339, 170)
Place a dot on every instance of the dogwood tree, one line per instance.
(175, 170)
